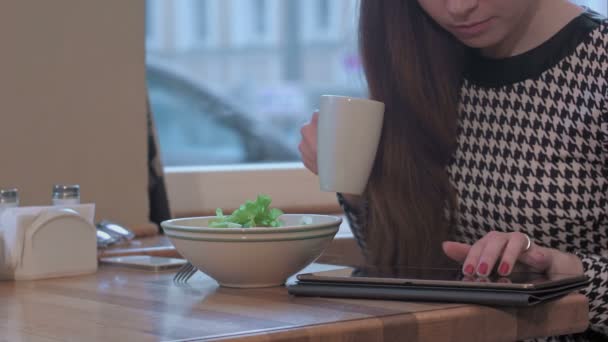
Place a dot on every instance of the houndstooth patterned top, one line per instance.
(532, 152)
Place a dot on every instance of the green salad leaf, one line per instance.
(251, 214)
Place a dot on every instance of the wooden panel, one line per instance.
(73, 97)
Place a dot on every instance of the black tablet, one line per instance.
(436, 285)
(440, 277)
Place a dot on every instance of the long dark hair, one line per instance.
(414, 67)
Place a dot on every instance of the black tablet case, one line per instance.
(446, 294)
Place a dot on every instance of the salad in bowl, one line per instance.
(254, 246)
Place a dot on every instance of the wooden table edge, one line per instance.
(406, 326)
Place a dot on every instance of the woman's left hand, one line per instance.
(506, 250)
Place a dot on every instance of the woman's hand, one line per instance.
(508, 250)
(308, 145)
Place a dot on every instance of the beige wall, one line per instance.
(72, 102)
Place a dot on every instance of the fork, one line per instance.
(185, 273)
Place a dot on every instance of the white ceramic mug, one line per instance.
(348, 135)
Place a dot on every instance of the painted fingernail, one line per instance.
(469, 269)
(504, 268)
(482, 268)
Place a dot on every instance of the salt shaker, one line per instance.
(66, 194)
(9, 198)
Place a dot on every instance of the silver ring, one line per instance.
(529, 243)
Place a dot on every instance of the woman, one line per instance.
(495, 141)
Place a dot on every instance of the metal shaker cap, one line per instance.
(9, 195)
(62, 191)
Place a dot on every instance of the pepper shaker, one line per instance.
(66, 194)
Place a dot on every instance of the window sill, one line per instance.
(200, 190)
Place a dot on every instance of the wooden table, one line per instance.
(118, 304)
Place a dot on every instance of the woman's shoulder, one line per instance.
(597, 25)
(593, 17)
(591, 53)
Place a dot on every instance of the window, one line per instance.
(231, 90)
(201, 10)
(255, 23)
(600, 6)
(260, 17)
(321, 21)
(323, 14)
(195, 24)
(154, 24)
(151, 30)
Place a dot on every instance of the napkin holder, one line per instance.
(48, 242)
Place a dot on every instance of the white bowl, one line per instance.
(252, 257)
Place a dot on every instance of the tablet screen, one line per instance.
(437, 277)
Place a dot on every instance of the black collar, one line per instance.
(489, 72)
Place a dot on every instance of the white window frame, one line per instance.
(311, 32)
(194, 191)
(186, 25)
(243, 34)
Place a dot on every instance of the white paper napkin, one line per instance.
(14, 223)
